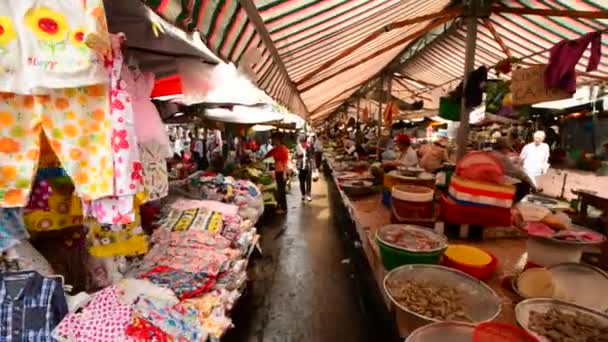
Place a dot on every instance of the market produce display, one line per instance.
(439, 302)
(559, 326)
(409, 239)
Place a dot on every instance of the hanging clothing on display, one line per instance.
(44, 45)
(149, 127)
(156, 177)
(12, 228)
(565, 55)
(65, 210)
(31, 306)
(128, 170)
(76, 124)
(109, 240)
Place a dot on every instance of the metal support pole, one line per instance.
(379, 120)
(469, 64)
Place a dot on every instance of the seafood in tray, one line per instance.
(560, 326)
(552, 320)
(410, 239)
(439, 302)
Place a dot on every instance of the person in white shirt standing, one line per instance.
(535, 157)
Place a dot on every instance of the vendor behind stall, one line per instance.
(407, 155)
(434, 155)
(502, 149)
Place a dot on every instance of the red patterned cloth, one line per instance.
(143, 331)
(104, 319)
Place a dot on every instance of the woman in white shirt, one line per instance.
(535, 157)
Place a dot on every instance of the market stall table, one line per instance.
(369, 214)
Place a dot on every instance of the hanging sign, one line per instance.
(528, 87)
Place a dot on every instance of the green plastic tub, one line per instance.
(394, 256)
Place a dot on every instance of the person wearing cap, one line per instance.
(408, 156)
(434, 155)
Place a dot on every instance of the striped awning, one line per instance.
(230, 33)
(330, 48)
(327, 49)
(439, 66)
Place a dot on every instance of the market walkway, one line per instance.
(302, 288)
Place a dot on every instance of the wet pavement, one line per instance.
(302, 286)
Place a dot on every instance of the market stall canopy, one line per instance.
(315, 55)
(154, 42)
(523, 30)
(584, 95)
(320, 50)
(244, 115)
(216, 84)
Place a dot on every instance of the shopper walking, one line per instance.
(280, 154)
(535, 157)
(304, 164)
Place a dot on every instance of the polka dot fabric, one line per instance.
(104, 319)
(39, 198)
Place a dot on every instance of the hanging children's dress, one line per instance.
(51, 81)
(128, 170)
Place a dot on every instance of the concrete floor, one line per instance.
(302, 286)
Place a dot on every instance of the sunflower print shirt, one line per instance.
(43, 45)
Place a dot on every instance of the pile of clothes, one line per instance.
(182, 289)
(243, 193)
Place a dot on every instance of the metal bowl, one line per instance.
(570, 278)
(523, 309)
(443, 331)
(481, 304)
(357, 187)
(583, 284)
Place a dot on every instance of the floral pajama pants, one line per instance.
(76, 123)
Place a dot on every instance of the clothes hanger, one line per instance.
(15, 265)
